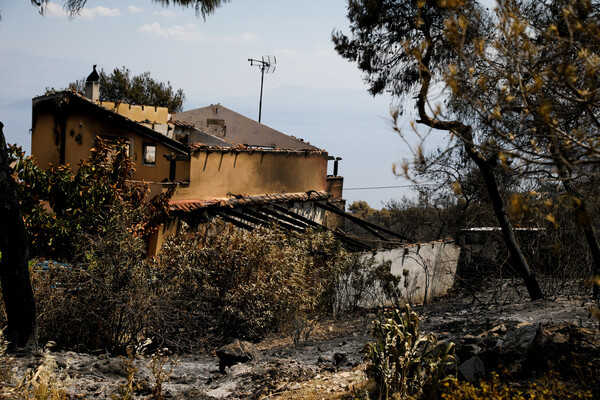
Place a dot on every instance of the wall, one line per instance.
(78, 130)
(426, 270)
(219, 174)
(159, 115)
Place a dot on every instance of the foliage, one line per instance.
(202, 7)
(140, 89)
(45, 381)
(531, 89)
(405, 364)
(5, 361)
(220, 284)
(545, 388)
(425, 219)
(127, 388)
(160, 372)
(250, 283)
(407, 46)
(61, 206)
(101, 303)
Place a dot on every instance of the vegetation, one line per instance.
(402, 47)
(17, 295)
(222, 284)
(63, 209)
(544, 388)
(202, 7)
(142, 89)
(405, 364)
(520, 96)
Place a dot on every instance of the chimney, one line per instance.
(92, 86)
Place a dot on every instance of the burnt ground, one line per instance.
(524, 339)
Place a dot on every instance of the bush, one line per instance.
(102, 302)
(546, 388)
(251, 283)
(221, 283)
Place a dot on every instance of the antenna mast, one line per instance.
(265, 64)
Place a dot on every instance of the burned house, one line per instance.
(217, 161)
(220, 163)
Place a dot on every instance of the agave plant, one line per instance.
(405, 364)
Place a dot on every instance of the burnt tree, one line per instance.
(17, 292)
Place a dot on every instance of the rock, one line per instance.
(523, 337)
(236, 352)
(472, 369)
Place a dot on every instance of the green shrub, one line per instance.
(405, 364)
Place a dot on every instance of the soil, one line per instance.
(330, 363)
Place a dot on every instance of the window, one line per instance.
(113, 141)
(148, 154)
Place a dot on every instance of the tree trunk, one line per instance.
(17, 293)
(585, 223)
(508, 233)
(465, 133)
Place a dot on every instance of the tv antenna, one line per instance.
(265, 64)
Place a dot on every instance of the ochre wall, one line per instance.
(211, 174)
(215, 174)
(159, 115)
(46, 148)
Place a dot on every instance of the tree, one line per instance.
(82, 202)
(202, 7)
(121, 86)
(532, 88)
(14, 261)
(139, 89)
(402, 48)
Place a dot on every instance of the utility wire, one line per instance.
(389, 187)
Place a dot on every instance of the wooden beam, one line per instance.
(362, 223)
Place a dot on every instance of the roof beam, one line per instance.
(362, 223)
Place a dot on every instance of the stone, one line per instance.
(236, 352)
(523, 337)
(472, 369)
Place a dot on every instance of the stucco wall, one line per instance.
(80, 130)
(215, 174)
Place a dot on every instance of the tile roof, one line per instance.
(237, 201)
(196, 146)
(182, 124)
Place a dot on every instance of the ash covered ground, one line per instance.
(492, 330)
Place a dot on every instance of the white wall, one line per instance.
(426, 271)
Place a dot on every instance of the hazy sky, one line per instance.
(313, 94)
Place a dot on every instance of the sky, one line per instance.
(313, 93)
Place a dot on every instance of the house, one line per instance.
(218, 161)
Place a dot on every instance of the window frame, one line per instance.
(145, 147)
